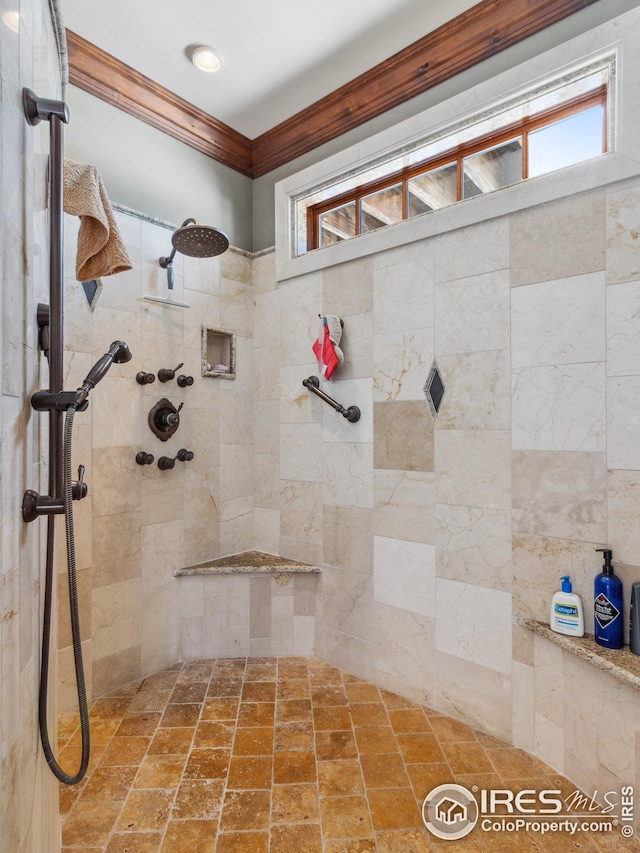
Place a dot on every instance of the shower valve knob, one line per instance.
(165, 463)
(166, 375)
(185, 455)
(79, 488)
(184, 381)
(143, 458)
(143, 378)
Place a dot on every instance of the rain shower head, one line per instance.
(195, 240)
(199, 241)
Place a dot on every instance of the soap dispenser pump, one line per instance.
(607, 605)
(566, 611)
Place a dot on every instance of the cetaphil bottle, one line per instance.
(566, 616)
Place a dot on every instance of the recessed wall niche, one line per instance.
(218, 353)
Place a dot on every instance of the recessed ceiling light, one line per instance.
(205, 58)
(12, 20)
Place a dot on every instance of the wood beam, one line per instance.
(100, 74)
(477, 34)
(482, 31)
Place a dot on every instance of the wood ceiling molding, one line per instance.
(100, 74)
(482, 31)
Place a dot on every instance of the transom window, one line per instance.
(555, 126)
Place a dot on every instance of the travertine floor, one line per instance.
(286, 755)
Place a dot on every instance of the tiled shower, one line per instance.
(432, 535)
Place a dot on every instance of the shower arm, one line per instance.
(166, 262)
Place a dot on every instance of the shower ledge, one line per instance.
(247, 562)
(620, 663)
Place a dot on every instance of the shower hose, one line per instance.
(75, 621)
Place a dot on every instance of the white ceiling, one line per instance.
(278, 56)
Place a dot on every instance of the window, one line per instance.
(557, 125)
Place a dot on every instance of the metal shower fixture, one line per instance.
(196, 241)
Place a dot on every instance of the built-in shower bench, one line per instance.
(620, 663)
(248, 562)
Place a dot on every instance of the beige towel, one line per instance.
(100, 248)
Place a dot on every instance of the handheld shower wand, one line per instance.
(118, 352)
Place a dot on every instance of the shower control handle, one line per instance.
(166, 375)
(165, 463)
(79, 488)
(143, 378)
(185, 455)
(143, 458)
(185, 381)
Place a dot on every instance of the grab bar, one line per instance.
(352, 413)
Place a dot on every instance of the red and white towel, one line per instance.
(325, 347)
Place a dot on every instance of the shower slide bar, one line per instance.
(352, 413)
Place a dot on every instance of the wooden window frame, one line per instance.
(456, 154)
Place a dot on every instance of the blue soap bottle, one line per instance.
(607, 605)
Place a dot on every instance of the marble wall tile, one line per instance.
(623, 424)
(476, 391)
(404, 650)
(549, 742)
(163, 553)
(300, 300)
(160, 628)
(348, 288)
(404, 575)
(236, 416)
(473, 545)
(472, 251)
(117, 537)
(266, 373)
(476, 695)
(472, 468)
(259, 607)
(83, 588)
(202, 274)
(350, 392)
(301, 510)
(352, 654)
(236, 265)
(264, 272)
(305, 591)
(522, 644)
(266, 331)
(540, 327)
(348, 602)
(266, 530)
(395, 427)
(205, 310)
(356, 344)
(403, 504)
(297, 404)
(236, 526)
(523, 732)
(301, 549)
(623, 328)
(115, 669)
(348, 474)
(623, 503)
(403, 294)
(116, 483)
(202, 435)
(560, 494)
(623, 253)
(473, 623)
(236, 307)
(401, 364)
(116, 617)
(473, 314)
(538, 565)
(560, 407)
(236, 471)
(548, 669)
(202, 495)
(67, 690)
(304, 635)
(558, 239)
(266, 480)
(300, 452)
(348, 538)
(282, 625)
(123, 419)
